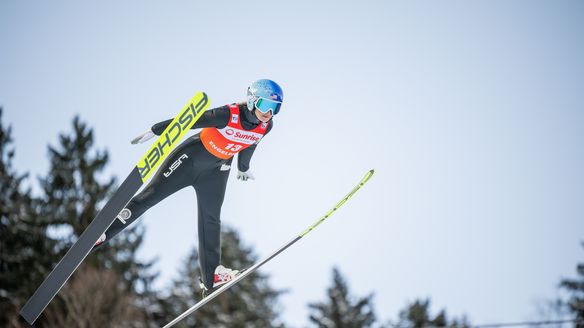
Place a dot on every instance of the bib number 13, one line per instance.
(233, 147)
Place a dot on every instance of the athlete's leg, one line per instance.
(174, 174)
(210, 188)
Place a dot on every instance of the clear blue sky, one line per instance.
(471, 112)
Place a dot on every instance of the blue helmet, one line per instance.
(265, 95)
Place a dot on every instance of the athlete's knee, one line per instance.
(140, 204)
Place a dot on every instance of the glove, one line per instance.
(243, 176)
(143, 137)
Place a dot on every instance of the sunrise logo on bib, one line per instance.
(246, 137)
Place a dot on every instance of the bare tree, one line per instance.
(96, 298)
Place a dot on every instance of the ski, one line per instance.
(256, 266)
(191, 112)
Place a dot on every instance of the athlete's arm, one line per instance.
(244, 156)
(216, 118)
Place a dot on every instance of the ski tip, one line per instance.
(367, 176)
(26, 315)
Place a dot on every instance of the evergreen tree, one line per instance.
(341, 310)
(73, 195)
(25, 249)
(250, 303)
(576, 288)
(417, 315)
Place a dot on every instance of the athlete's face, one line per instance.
(264, 117)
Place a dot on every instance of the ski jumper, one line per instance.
(203, 162)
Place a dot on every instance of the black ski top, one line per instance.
(219, 118)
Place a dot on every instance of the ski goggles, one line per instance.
(265, 105)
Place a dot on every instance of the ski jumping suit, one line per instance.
(203, 162)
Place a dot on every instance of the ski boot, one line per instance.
(223, 275)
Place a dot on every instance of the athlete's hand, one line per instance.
(243, 176)
(143, 137)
